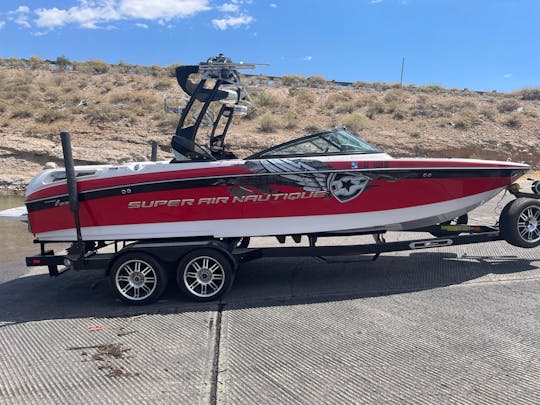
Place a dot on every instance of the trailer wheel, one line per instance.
(462, 220)
(536, 187)
(205, 274)
(138, 278)
(520, 222)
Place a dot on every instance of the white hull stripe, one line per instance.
(396, 219)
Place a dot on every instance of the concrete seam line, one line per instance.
(215, 361)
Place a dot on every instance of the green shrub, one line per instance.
(303, 95)
(312, 128)
(356, 122)
(22, 111)
(513, 121)
(62, 62)
(94, 66)
(293, 80)
(120, 97)
(507, 106)
(103, 113)
(394, 96)
(165, 122)
(345, 108)
(334, 99)
(170, 70)
(50, 116)
(35, 62)
(47, 131)
(529, 94)
(163, 84)
(376, 107)
(268, 123)
(316, 81)
(267, 100)
(466, 120)
(398, 115)
(361, 84)
(157, 71)
(291, 120)
(432, 88)
(488, 113)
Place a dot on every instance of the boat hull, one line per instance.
(263, 197)
(391, 220)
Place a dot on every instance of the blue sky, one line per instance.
(475, 44)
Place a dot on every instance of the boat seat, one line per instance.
(186, 150)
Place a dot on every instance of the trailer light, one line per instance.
(36, 261)
(514, 187)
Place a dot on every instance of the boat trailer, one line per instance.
(205, 268)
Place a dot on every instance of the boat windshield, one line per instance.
(337, 142)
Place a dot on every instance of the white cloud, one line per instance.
(507, 75)
(52, 17)
(229, 8)
(20, 16)
(273, 5)
(102, 14)
(95, 13)
(162, 9)
(232, 22)
(2, 23)
(308, 58)
(376, 1)
(88, 14)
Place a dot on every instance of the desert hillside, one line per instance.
(114, 111)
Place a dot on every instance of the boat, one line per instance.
(327, 182)
(191, 218)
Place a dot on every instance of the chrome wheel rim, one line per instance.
(204, 276)
(528, 224)
(136, 280)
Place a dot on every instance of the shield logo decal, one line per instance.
(347, 186)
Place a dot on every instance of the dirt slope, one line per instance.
(113, 112)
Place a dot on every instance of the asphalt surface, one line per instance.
(447, 325)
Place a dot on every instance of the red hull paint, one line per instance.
(381, 195)
(239, 169)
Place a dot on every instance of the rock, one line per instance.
(50, 165)
(12, 185)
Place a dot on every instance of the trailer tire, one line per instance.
(138, 278)
(536, 187)
(519, 222)
(205, 274)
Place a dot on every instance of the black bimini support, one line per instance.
(71, 179)
(218, 141)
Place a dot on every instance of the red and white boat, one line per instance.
(273, 193)
(196, 213)
(327, 182)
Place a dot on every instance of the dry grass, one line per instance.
(115, 114)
